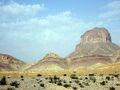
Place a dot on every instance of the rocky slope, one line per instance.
(50, 62)
(95, 42)
(116, 56)
(10, 63)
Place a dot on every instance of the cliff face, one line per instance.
(96, 41)
(96, 35)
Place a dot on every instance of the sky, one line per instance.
(29, 29)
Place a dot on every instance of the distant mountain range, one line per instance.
(96, 49)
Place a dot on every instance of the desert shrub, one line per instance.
(74, 88)
(92, 78)
(81, 78)
(116, 75)
(15, 84)
(118, 84)
(42, 85)
(77, 81)
(22, 79)
(86, 77)
(67, 85)
(3, 81)
(22, 76)
(70, 81)
(11, 88)
(102, 83)
(81, 85)
(65, 75)
(112, 88)
(108, 77)
(86, 84)
(64, 81)
(59, 83)
(56, 78)
(46, 78)
(92, 74)
(39, 75)
(73, 76)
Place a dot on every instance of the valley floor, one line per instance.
(64, 82)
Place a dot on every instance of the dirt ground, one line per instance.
(65, 82)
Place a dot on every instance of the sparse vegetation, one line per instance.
(67, 85)
(112, 88)
(42, 85)
(3, 81)
(11, 88)
(15, 83)
(103, 83)
(73, 81)
(73, 76)
(39, 75)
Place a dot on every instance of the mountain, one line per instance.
(10, 63)
(116, 55)
(95, 47)
(50, 62)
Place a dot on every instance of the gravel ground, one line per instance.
(65, 82)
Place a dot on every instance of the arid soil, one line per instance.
(64, 82)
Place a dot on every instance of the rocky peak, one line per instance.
(96, 35)
(52, 55)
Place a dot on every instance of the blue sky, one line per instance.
(31, 28)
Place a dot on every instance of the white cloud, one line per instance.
(14, 11)
(112, 12)
(59, 33)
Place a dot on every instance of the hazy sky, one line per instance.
(31, 28)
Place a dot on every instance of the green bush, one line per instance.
(3, 81)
